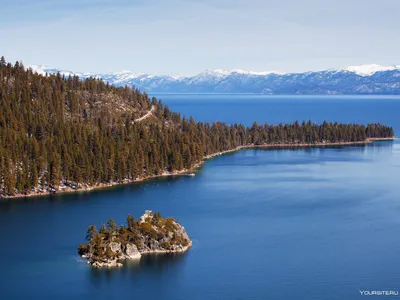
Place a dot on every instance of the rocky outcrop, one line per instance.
(132, 252)
(150, 234)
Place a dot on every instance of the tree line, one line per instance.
(57, 130)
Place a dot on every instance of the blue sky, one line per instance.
(188, 36)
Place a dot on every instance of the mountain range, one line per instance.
(356, 80)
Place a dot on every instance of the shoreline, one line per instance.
(195, 166)
(303, 145)
(117, 263)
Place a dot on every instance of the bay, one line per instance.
(317, 223)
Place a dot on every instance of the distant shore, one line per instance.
(67, 189)
(303, 145)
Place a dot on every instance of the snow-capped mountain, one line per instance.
(368, 70)
(365, 79)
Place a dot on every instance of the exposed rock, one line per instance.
(115, 247)
(150, 234)
(147, 216)
(132, 251)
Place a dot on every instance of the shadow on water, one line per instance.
(155, 262)
(128, 188)
(379, 145)
(148, 265)
(138, 187)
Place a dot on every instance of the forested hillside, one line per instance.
(57, 131)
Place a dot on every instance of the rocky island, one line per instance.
(150, 234)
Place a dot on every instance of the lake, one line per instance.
(317, 223)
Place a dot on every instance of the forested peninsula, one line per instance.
(62, 134)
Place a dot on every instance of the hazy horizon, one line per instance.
(188, 37)
(36, 67)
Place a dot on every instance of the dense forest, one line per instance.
(62, 131)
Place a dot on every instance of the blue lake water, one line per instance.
(266, 224)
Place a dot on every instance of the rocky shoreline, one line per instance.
(151, 234)
(73, 187)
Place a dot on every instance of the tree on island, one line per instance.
(111, 225)
(91, 232)
(150, 234)
(130, 222)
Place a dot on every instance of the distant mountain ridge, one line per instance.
(355, 80)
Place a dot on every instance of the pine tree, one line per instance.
(91, 232)
(111, 225)
(130, 222)
(55, 129)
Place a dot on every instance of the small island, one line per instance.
(150, 234)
